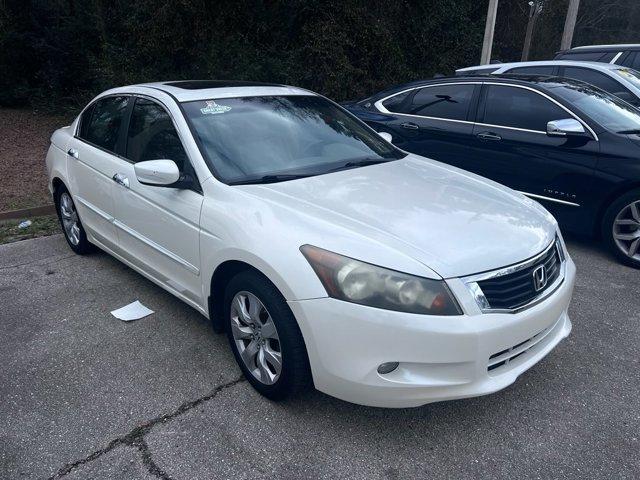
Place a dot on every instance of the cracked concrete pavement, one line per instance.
(83, 395)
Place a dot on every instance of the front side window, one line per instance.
(268, 137)
(443, 101)
(595, 78)
(608, 110)
(152, 135)
(520, 108)
(103, 127)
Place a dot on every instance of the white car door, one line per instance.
(91, 163)
(159, 227)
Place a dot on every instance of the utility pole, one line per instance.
(569, 24)
(489, 28)
(535, 8)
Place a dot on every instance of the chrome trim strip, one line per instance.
(618, 55)
(510, 128)
(471, 281)
(159, 248)
(542, 197)
(94, 209)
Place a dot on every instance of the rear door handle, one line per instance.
(120, 179)
(72, 152)
(409, 126)
(489, 136)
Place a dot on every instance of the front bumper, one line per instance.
(441, 358)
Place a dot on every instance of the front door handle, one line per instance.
(72, 152)
(489, 136)
(120, 179)
(409, 126)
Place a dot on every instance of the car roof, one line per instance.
(191, 90)
(619, 46)
(542, 63)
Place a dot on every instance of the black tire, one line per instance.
(295, 375)
(83, 246)
(607, 231)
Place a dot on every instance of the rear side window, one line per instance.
(532, 70)
(594, 77)
(443, 101)
(519, 108)
(106, 117)
(586, 56)
(152, 135)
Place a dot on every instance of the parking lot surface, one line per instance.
(83, 395)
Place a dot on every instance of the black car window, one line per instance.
(534, 70)
(106, 118)
(519, 108)
(582, 56)
(633, 61)
(152, 135)
(595, 78)
(442, 101)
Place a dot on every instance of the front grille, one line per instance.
(516, 289)
(505, 357)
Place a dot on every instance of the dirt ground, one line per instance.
(24, 140)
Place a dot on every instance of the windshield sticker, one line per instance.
(213, 108)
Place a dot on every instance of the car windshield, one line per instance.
(609, 111)
(276, 138)
(630, 75)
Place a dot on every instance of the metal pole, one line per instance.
(534, 11)
(569, 24)
(489, 28)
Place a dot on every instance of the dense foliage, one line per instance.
(62, 52)
(65, 51)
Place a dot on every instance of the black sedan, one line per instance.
(569, 145)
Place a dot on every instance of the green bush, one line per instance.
(62, 52)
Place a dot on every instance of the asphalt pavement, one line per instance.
(83, 395)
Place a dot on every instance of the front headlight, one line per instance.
(358, 282)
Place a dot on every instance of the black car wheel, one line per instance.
(265, 337)
(70, 221)
(621, 228)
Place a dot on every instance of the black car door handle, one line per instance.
(489, 136)
(410, 126)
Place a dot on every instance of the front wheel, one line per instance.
(265, 337)
(621, 228)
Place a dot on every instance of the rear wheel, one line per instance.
(70, 222)
(621, 228)
(265, 337)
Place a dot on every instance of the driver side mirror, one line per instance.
(564, 127)
(160, 173)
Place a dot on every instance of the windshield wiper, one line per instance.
(630, 131)
(359, 163)
(271, 179)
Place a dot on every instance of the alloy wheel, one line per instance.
(626, 230)
(256, 337)
(69, 219)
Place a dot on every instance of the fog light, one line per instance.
(387, 367)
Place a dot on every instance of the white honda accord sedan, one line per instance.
(327, 255)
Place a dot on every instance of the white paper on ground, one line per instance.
(133, 311)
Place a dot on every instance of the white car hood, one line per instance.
(454, 222)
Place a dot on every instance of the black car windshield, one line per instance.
(610, 112)
(276, 138)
